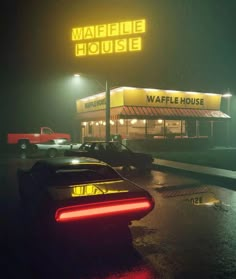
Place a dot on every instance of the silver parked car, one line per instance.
(54, 147)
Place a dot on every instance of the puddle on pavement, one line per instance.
(205, 195)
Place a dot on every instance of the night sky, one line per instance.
(189, 45)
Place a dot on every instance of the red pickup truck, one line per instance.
(24, 140)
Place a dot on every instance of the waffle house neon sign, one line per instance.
(118, 37)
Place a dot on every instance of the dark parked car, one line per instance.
(84, 195)
(114, 153)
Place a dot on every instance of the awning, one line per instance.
(128, 112)
(166, 113)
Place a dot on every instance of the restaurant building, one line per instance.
(152, 114)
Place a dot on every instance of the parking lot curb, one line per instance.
(222, 177)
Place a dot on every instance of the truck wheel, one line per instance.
(23, 154)
(52, 153)
(34, 148)
(23, 144)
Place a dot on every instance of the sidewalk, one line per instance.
(220, 175)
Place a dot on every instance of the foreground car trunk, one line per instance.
(107, 200)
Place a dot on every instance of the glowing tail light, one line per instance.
(102, 209)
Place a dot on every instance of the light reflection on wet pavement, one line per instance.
(191, 230)
(189, 234)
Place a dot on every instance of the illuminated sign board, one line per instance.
(171, 99)
(118, 37)
(125, 96)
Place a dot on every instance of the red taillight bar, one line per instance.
(79, 212)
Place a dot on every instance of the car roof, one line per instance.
(59, 162)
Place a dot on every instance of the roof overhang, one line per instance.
(141, 112)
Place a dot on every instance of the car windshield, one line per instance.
(82, 175)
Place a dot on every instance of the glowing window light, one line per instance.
(159, 121)
(122, 121)
(97, 124)
(80, 212)
(133, 121)
(104, 123)
(84, 123)
(112, 122)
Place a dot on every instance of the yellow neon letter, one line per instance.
(77, 34)
(113, 29)
(89, 32)
(93, 48)
(121, 45)
(135, 44)
(125, 27)
(100, 31)
(106, 47)
(139, 26)
(80, 50)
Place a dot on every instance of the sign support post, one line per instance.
(107, 110)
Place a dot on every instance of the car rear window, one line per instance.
(83, 175)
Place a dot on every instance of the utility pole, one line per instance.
(107, 110)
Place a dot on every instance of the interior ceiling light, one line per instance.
(133, 121)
